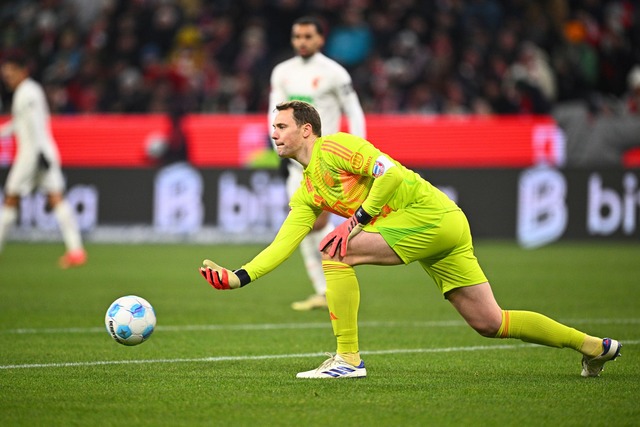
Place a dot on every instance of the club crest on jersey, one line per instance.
(378, 169)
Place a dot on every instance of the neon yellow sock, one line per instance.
(351, 358)
(592, 346)
(343, 299)
(539, 329)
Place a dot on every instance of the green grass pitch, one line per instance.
(230, 358)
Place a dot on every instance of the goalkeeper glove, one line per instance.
(223, 279)
(344, 232)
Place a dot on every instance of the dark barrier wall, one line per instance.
(536, 206)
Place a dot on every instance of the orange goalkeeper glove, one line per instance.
(341, 235)
(223, 279)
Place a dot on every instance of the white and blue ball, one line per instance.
(130, 320)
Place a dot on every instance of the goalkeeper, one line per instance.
(393, 217)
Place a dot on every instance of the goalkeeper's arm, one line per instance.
(297, 225)
(384, 186)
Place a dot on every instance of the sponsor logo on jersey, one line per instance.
(306, 98)
(357, 160)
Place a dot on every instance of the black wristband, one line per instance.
(244, 277)
(362, 216)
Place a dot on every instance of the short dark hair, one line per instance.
(16, 57)
(303, 113)
(311, 20)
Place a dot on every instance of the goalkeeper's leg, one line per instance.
(343, 299)
(343, 289)
(479, 308)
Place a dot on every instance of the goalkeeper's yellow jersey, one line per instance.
(344, 173)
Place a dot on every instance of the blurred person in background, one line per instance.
(531, 81)
(351, 42)
(632, 98)
(599, 132)
(313, 77)
(37, 161)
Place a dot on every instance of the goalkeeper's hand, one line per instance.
(341, 235)
(221, 278)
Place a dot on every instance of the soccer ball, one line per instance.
(130, 320)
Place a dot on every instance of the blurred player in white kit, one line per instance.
(37, 162)
(313, 77)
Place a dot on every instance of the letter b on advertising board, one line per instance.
(542, 209)
(178, 199)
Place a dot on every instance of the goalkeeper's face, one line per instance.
(289, 138)
(306, 40)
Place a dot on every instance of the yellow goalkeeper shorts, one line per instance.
(440, 241)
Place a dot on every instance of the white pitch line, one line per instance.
(277, 356)
(284, 326)
(250, 358)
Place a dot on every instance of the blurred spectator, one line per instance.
(351, 41)
(185, 66)
(632, 98)
(529, 83)
(455, 102)
(575, 62)
(65, 62)
(601, 135)
(533, 77)
(617, 48)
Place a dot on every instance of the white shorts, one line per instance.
(26, 175)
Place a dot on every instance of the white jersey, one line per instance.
(30, 123)
(326, 85)
(322, 82)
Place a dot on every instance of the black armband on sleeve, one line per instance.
(244, 277)
(362, 216)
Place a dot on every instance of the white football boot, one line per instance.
(335, 367)
(314, 301)
(592, 366)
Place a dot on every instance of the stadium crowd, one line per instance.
(413, 56)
